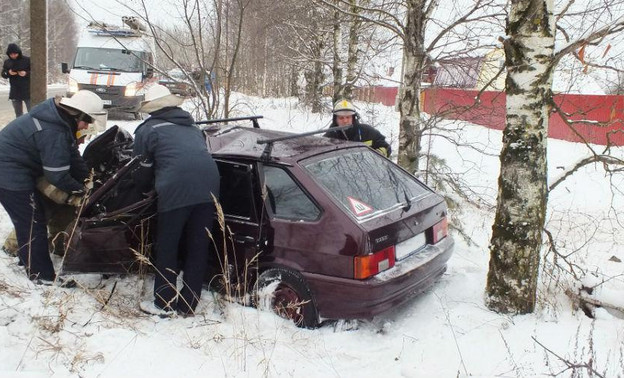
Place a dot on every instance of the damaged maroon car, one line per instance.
(331, 229)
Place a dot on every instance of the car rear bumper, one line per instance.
(341, 298)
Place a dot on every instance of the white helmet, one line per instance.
(158, 97)
(85, 102)
(344, 108)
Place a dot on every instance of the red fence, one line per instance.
(490, 111)
(385, 95)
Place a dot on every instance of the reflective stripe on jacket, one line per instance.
(40, 143)
(362, 133)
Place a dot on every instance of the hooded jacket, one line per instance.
(20, 85)
(185, 173)
(361, 133)
(41, 143)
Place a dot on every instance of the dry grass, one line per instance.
(66, 316)
(11, 290)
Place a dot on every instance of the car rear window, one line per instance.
(287, 199)
(365, 183)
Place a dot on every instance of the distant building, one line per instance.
(458, 73)
(492, 64)
(472, 72)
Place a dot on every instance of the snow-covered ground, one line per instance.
(96, 330)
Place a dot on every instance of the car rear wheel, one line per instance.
(285, 292)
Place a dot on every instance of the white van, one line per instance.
(113, 62)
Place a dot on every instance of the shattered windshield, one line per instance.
(91, 58)
(366, 183)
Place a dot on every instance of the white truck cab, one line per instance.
(113, 62)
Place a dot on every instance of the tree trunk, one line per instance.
(410, 126)
(317, 76)
(337, 63)
(230, 74)
(352, 58)
(265, 60)
(226, 74)
(294, 78)
(522, 184)
(213, 96)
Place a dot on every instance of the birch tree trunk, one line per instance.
(352, 58)
(410, 132)
(522, 184)
(337, 63)
(315, 77)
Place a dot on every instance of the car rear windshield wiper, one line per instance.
(408, 202)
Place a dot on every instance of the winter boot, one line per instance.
(10, 244)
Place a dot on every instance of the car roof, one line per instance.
(239, 141)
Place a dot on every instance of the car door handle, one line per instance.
(243, 239)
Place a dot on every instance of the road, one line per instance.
(6, 109)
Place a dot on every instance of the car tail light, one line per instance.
(440, 230)
(369, 265)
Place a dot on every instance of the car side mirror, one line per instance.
(149, 72)
(64, 68)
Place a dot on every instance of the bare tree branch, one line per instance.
(570, 365)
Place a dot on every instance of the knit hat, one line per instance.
(13, 48)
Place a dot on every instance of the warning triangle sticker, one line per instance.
(359, 208)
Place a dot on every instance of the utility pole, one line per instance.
(38, 51)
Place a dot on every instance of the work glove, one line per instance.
(75, 200)
(383, 151)
(51, 191)
(88, 183)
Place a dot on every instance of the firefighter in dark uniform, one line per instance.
(344, 114)
(175, 156)
(37, 147)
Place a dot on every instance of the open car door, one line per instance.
(245, 234)
(113, 231)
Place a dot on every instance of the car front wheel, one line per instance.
(285, 292)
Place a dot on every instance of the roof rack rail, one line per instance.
(266, 154)
(253, 119)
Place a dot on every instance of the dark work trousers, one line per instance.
(186, 226)
(17, 106)
(25, 208)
